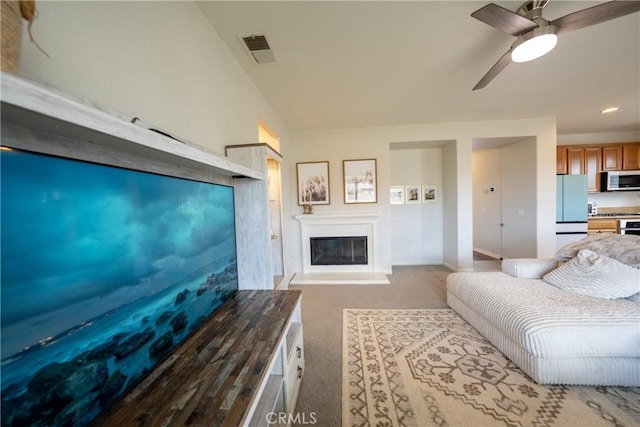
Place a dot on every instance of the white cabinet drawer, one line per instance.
(295, 368)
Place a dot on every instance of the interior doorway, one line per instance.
(504, 202)
(274, 190)
(487, 202)
(275, 220)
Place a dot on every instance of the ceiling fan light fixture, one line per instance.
(534, 44)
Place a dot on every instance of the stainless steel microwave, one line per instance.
(620, 181)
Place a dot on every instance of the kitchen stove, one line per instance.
(630, 226)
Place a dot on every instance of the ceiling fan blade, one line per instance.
(503, 19)
(493, 71)
(595, 15)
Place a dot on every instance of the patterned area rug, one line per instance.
(431, 368)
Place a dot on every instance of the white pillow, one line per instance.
(595, 275)
(528, 268)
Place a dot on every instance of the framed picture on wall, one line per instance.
(429, 193)
(360, 181)
(412, 194)
(396, 195)
(313, 183)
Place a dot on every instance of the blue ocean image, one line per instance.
(103, 271)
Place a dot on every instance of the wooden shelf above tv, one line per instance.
(30, 108)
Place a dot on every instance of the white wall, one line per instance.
(545, 185)
(160, 61)
(457, 201)
(416, 229)
(599, 138)
(616, 199)
(453, 250)
(334, 147)
(164, 63)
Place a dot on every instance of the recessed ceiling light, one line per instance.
(609, 110)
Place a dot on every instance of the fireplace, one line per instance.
(338, 248)
(348, 250)
(334, 234)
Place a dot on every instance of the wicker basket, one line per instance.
(11, 31)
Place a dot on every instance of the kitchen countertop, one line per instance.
(623, 216)
(617, 212)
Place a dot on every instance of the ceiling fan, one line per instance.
(535, 35)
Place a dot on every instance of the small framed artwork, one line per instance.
(360, 181)
(429, 193)
(313, 183)
(396, 195)
(412, 194)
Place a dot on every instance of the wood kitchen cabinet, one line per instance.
(631, 157)
(585, 161)
(621, 157)
(591, 159)
(592, 162)
(561, 161)
(575, 161)
(602, 226)
(612, 158)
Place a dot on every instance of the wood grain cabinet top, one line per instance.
(212, 378)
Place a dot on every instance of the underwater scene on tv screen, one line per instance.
(103, 272)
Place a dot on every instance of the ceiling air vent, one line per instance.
(258, 47)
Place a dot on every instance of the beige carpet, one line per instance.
(431, 368)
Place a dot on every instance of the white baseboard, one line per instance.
(487, 253)
(377, 278)
(399, 263)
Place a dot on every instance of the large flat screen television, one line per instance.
(103, 272)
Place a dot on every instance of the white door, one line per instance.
(519, 200)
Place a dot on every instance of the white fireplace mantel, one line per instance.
(337, 225)
(337, 218)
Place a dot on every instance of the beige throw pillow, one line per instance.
(595, 275)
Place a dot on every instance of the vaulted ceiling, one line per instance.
(344, 64)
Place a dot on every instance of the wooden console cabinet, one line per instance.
(242, 367)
